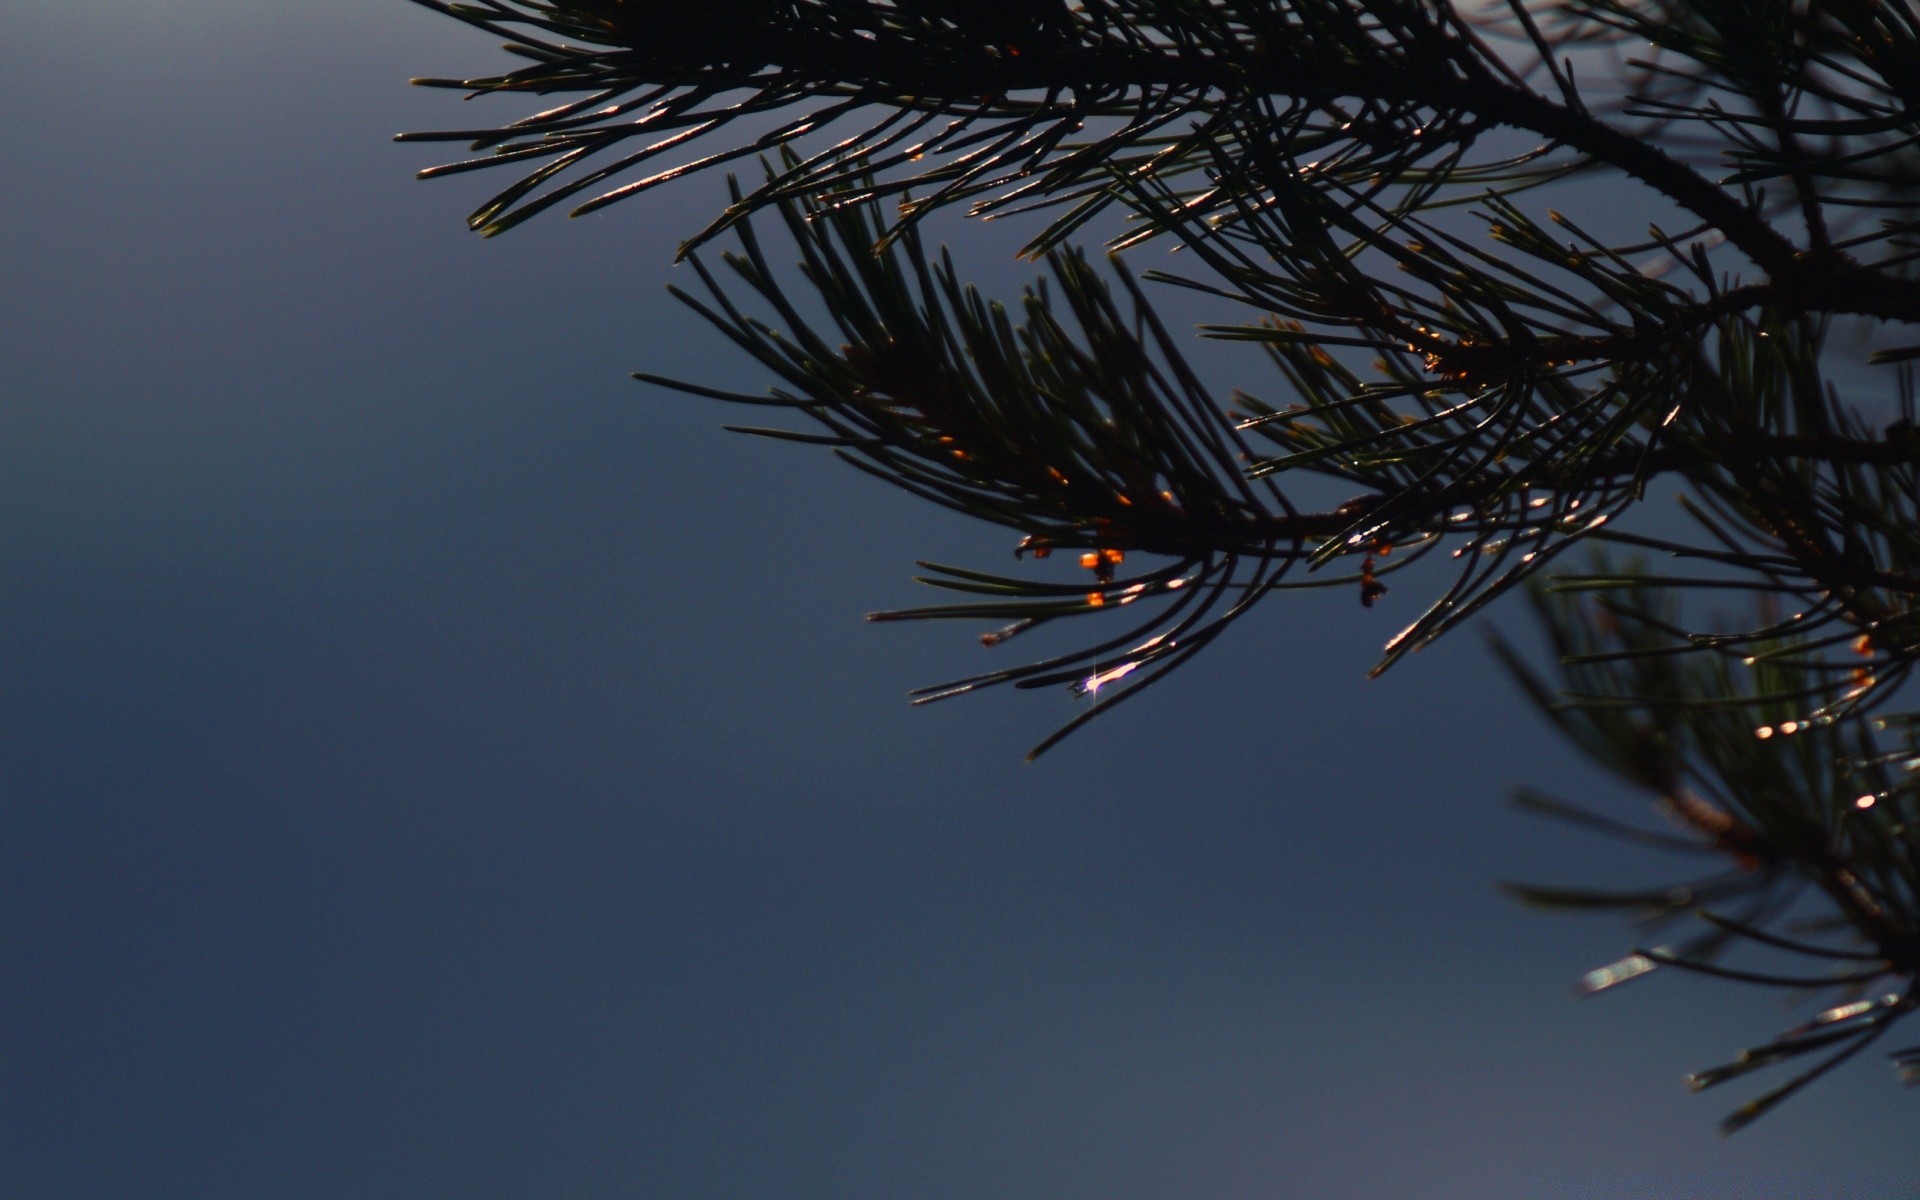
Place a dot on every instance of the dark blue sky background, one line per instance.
(432, 764)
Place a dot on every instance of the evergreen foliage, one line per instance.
(1469, 382)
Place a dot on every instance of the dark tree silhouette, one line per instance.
(1468, 382)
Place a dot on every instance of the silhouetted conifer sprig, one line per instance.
(1084, 431)
(1811, 822)
(1817, 97)
(1101, 440)
(1005, 103)
(982, 93)
(1033, 100)
(1459, 369)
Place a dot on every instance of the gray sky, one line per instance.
(435, 765)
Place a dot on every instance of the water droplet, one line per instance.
(1764, 732)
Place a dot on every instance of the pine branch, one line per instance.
(1207, 61)
(1499, 397)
